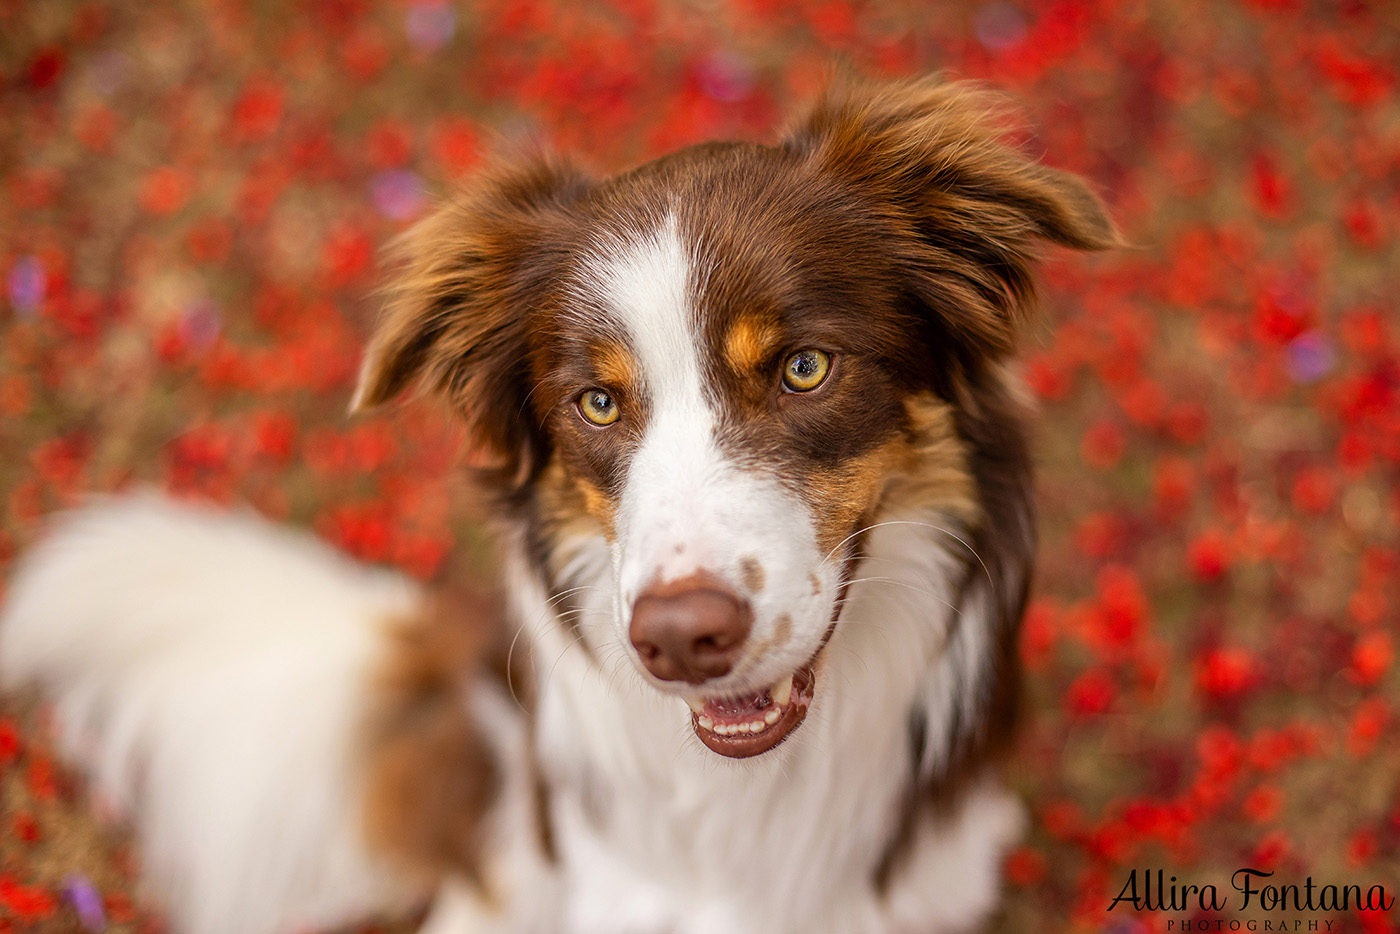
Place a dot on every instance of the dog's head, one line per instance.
(729, 361)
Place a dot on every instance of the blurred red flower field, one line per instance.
(194, 201)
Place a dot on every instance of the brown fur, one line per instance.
(893, 228)
(935, 473)
(751, 574)
(469, 273)
(968, 206)
(431, 779)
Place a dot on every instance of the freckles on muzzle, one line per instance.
(695, 629)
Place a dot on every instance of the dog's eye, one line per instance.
(805, 370)
(599, 407)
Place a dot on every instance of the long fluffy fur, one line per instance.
(210, 671)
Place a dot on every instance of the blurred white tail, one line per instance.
(210, 672)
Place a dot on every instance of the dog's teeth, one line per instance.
(742, 728)
(696, 705)
(782, 691)
(757, 726)
(706, 723)
(771, 717)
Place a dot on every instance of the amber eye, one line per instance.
(805, 370)
(598, 407)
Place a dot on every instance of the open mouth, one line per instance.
(740, 727)
(750, 725)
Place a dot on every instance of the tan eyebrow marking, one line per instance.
(750, 342)
(614, 365)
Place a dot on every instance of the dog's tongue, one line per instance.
(738, 708)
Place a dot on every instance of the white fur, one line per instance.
(687, 507)
(657, 833)
(209, 671)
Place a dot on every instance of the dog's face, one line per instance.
(728, 362)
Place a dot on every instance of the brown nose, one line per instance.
(689, 630)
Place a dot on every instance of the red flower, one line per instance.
(1209, 556)
(9, 741)
(1173, 485)
(389, 145)
(119, 908)
(455, 146)
(1272, 190)
(46, 68)
(1226, 672)
(1372, 657)
(42, 778)
(26, 828)
(1099, 535)
(1093, 692)
(1272, 850)
(365, 53)
(210, 240)
(1362, 848)
(1367, 607)
(346, 255)
(1220, 752)
(1365, 223)
(1355, 79)
(26, 902)
(1103, 445)
(258, 110)
(276, 434)
(1121, 610)
(1025, 866)
(1063, 819)
(1314, 491)
(165, 191)
(1262, 804)
(1370, 720)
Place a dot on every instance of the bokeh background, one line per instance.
(193, 198)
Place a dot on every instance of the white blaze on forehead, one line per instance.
(685, 506)
(648, 284)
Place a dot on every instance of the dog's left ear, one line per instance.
(967, 206)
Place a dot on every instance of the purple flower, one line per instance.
(430, 25)
(397, 193)
(86, 901)
(26, 285)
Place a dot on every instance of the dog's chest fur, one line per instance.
(653, 833)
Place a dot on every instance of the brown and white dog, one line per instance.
(764, 498)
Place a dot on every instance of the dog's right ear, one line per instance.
(455, 323)
(968, 206)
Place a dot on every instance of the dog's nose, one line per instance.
(689, 630)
